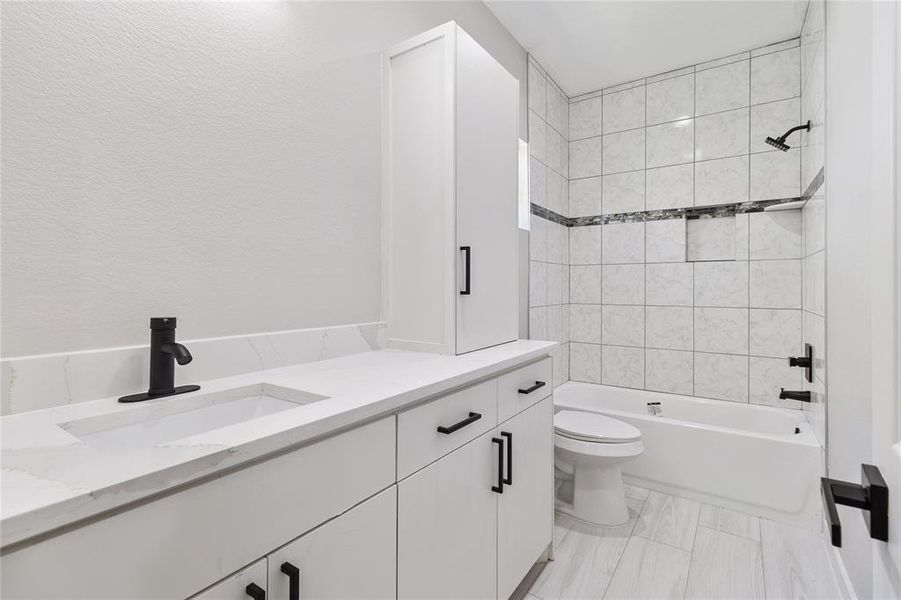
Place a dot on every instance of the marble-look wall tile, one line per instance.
(538, 323)
(537, 86)
(537, 137)
(670, 187)
(538, 235)
(537, 182)
(775, 234)
(585, 157)
(623, 151)
(622, 325)
(670, 143)
(556, 108)
(814, 282)
(623, 243)
(723, 284)
(624, 110)
(711, 239)
(773, 119)
(768, 376)
(721, 330)
(775, 76)
(721, 376)
(554, 283)
(585, 284)
(585, 245)
(622, 366)
(665, 241)
(670, 99)
(585, 197)
(721, 135)
(722, 181)
(537, 283)
(622, 284)
(776, 175)
(669, 371)
(585, 362)
(555, 144)
(585, 323)
(775, 284)
(722, 88)
(775, 333)
(669, 327)
(623, 192)
(35, 382)
(669, 284)
(557, 243)
(585, 118)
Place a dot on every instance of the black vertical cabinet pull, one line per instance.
(509, 478)
(467, 251)
(293, 574)
(499, 488)
(255, 591)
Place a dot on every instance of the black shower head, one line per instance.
(779, 142)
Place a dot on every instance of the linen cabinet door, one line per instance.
(247, 584)
(525, 510)
(447, 525)
(351, 556)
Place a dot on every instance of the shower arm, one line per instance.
(784, 136)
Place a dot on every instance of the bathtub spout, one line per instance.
(794, 395)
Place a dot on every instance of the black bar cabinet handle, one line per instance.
(467, 250)
(509, 478)
(255, 591)
(529, 390)
(499, 488)
(293, 574)
(472, 418)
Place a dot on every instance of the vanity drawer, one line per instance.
(463, 416)
(536, 381)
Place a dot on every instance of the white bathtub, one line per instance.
(739, 456)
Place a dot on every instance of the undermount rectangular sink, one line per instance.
(185, 416)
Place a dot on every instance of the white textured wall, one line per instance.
(219, 162)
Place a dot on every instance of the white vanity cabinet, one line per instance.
(243, 585)
(451, 131)
(472, 523)
(351, 556)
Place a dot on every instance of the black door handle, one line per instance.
(871, 496)
(293, 574)
(499, 488)
(529, 390)
(509, 478)
(255, 591)
(467, 250)
(472, 418)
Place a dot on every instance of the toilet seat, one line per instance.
(594, 428)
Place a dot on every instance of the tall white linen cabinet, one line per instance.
(451, 130)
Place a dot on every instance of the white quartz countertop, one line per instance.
(50, 478)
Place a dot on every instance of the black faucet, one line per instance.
(793, 395)
(164, 352)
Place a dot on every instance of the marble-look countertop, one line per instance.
(50, 478)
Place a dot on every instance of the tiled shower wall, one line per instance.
(709, 307)
(813, 108)
(549, 240)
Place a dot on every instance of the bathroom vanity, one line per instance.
(383, 474)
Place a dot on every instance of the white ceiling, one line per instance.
(586, 46)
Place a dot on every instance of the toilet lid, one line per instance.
(593, 427)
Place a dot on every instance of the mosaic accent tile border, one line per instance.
(691, 212)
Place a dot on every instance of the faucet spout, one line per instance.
(181, 354)
(794, 395)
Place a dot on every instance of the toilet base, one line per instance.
(599, 495)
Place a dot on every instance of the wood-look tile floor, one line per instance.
(677, 548)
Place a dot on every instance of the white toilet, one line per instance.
(592, 448)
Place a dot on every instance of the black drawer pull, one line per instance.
(293, 574)
(255, 591)
(538, 385)
(467, 268)
(472, 418)
(499, 488)
(509, 478)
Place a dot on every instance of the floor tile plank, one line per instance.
(649, 570)
(730, 521)
(725, 566)
(795, 563)
(669, 520)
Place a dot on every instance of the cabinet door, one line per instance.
(351, 556)
(447, 526)
(525, 510)
(235, 587)
(487, 125)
